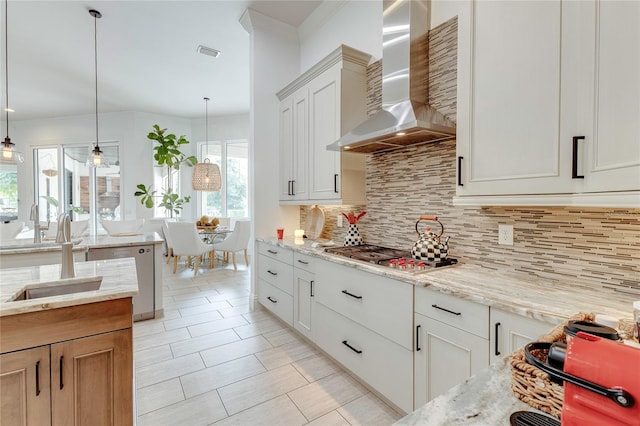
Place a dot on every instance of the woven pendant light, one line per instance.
(206, 175)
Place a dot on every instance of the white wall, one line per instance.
(356, 23)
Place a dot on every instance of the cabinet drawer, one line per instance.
(460, 313)
(304, 261)
(277, 301)
(368, 357)
(276, 273)
(378, 303)
(274, 252)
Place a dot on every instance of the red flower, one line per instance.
(352, 218)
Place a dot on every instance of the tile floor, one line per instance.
(211, 360)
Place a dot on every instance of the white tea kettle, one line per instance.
(429, 246)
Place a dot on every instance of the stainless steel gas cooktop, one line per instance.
(388, 257)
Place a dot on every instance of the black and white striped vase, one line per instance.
(353, 237)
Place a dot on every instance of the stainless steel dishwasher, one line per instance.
(144, 301)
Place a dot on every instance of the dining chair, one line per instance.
(167, 237)
(185, 241)
(236, 241)
(115, 227)
(9, 231)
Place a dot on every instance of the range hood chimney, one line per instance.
(406, 118)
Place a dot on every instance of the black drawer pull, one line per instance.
(272, 251)
(271, 300)
(496, 351)
(61, 374)
(344, 342)
(271, 272)
(37, 378)
(289, 187)
(418, 337)
(352, 295)
(574, 159)
(335, 183)
(460, 171)
(303, 262)
(311, 285)
(293, 191)
(446, 310)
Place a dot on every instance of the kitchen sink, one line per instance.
(57, 288)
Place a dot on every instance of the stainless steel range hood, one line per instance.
(406, 118)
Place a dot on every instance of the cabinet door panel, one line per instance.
(510, 332)
(446, 357)
(324, 129)
(303, 297)
(286, 148)
(91, 380)
(613, 155)
(510, 119)
(25, 388)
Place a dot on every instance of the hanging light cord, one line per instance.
(96, 15)
(206, 120)
(6, 63)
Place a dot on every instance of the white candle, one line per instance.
(298, 233)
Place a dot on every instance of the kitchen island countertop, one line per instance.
(484, 399)
(547, 300)
(82, 243)
(119, 280)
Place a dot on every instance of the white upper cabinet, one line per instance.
(533, 78)
(317, 109)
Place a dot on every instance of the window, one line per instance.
(8, 192)
(63, 183)
(233, 159)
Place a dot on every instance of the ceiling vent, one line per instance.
(208, 51)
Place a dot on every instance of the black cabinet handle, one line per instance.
(418, 337)
(272, 251)
(271, 300)
(288, 187)
(344, 342)
(460, 158)
(574, 162)
(311, 285)
(272, 273)
(496, 351)
(335, 183)
(37, 378)
(303, 262)
(446, 310)
(352, 295)
(293, 191)
(61, 372)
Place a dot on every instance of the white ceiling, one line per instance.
(147, 59)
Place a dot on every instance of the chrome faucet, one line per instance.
(63, 237)
(35, 217)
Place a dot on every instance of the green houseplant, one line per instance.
(168, 154)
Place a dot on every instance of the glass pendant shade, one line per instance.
(206, 177)
(96, 158)
(9, 154)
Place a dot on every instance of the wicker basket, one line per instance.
(533, 386)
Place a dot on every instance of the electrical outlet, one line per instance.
(505, 235)
(339, 224)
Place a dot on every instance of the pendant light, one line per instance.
(9, 154)
(96, 157)
(206, 175)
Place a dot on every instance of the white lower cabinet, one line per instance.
(510, 332)
(303, 294)
(275, 280)
(383, 364)
(451, 343)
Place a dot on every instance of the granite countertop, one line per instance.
(484, 399)
(119, 279)
(82, 243)
(543, 299)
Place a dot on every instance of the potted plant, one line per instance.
(168, 154)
